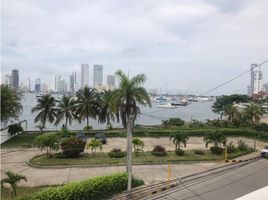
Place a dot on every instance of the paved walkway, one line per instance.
(14, 160)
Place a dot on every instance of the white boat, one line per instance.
(167, 105)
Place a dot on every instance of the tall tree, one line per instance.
(65, 110)
(124, 101)
(223, 101)
(128, 95)
(231, 112)
(13, 179)
(105, 113)
(11, 106)
(46, 105)
(253, 112)
(87, 104)
(179, 139)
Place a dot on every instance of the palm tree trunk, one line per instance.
(66, 121)
(87, 121)
(129, 153)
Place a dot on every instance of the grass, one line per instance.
(141, 158)
(25, 140)
(21, 191)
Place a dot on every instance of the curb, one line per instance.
(234, 160)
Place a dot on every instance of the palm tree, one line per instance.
(93, 145)
(253, 112)
(231, 112)
(46, 105)
(65, 109)
(12, 179)
(215, 138)
(86, 104)
(124, 101)
(126, 98)
(138, 144)
(105, 114)
(177, 139)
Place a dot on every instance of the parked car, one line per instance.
(264, 152)
(101, 137)
(81, 136)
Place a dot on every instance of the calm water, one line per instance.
(149, 116)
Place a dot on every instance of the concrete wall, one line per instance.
(6, 136)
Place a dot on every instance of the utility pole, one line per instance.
(129, 153)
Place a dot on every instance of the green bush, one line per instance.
(179, 152)
(15, 128)
(230, 147)
(262, 127)
(199, 152)
(217, 150)
(72, 147)
(48, 141)
(116, 153)
(175, 122)
(242, 146)
(87, 128)
(64, 133)
(159, 151)
(92, 189)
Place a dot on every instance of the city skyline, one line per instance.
(182, 46)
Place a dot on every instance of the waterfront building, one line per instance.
(37, 86)
(61, 84)
(84, 75)
(15, 79)
(7, 80)
(72, 82)
(255, 79)
(97, 75)
(111, 81)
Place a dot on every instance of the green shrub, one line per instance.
(87, 128)
(242, 146)
(179, 152)
(14, 128)
(72, 147)
(230, 147)
(217, 150)
(262, 127)
(199, 152)
(96, 188)
(175, 122)
(64, 133)
(116, 153)
(159, 151)
(48, 141)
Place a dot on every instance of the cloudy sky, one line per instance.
(185, 46)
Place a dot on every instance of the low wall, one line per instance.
(5, 135)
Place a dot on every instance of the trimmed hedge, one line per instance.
(217, 150)
(116, 153)
(92, 189)
(179, 152)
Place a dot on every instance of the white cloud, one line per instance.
(186, 45)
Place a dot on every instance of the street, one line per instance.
(225, 186)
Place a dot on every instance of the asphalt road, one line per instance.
(231, 184)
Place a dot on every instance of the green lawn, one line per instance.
(21, 191)
(141, 158)
(25, 140)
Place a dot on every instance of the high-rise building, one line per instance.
(84, 75)
(111, 81)
(72, 82)
(15, 79)
(255, 79)
(97, 75)
(265, 87)
(7, 80)
(61, 84)
(37, 86)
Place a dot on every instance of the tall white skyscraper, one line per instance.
(98, 75)
(84, 75)
(111, 81)
(255, 79)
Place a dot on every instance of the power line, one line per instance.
(236, 77)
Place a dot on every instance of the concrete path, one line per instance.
(14, 160)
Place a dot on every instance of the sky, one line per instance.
(183, 46)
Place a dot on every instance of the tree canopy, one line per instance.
(224, 101)
(11, 107)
